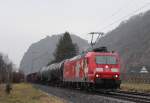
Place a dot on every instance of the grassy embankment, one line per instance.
(137, 87)
(25, 93)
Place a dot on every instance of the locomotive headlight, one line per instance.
(99, 69)
(116, 76)
(114, 69)
(97, 75)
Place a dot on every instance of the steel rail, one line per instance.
(129, 96)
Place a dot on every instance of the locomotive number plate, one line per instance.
(107, 69)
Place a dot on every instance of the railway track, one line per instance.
(136, 97)
(129, 96)
(118, 94)
(134, 93)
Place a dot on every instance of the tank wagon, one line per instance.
(32, 77)
(52, 74)
(96, 68)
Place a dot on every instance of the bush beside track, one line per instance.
(139, 82)
(136, 87)
(142, 78)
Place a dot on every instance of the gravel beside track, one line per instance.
(75, 96)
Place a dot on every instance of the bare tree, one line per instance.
(2, 69)
(6, 68)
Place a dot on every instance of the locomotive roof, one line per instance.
(91, 53)
(101, 53)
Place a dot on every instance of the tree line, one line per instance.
(8, 71)
(65, 49)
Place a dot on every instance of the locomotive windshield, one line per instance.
(106, 60)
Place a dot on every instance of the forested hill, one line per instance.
(132, 40)
(40, 53)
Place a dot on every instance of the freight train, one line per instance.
(97, 68)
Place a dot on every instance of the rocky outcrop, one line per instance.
(41, 52)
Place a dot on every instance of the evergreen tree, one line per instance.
(65, 48)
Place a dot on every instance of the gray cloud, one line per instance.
(23, 22)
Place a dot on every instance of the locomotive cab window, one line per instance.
(106, 60)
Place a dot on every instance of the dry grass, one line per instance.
(25, 93)
(137, 87)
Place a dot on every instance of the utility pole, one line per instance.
(95, 33)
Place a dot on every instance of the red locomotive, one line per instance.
(97, 68)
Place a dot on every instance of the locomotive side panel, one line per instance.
(75, 70)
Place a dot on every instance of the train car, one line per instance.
(32, 77)
(52, 73)
(98, 68)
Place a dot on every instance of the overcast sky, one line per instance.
(23, 22)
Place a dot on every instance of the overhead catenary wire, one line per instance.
(122, 18)
(116, 21)
(115, 13)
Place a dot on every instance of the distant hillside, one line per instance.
(41, 52)
(132, 40)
